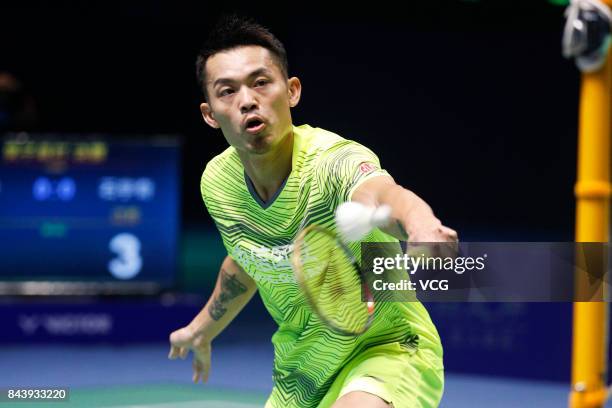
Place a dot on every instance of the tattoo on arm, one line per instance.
(231, 288)
(217, 309)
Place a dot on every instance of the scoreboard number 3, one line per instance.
(128, 262)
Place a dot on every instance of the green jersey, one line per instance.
(326, 169)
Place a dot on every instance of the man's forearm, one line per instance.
(233, 291)
(408, 211)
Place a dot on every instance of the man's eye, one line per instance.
(261, 82)
(225, 92)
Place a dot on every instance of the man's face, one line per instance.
(249, 98)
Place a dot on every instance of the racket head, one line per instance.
(332, 281)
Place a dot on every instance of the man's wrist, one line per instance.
(198, 330)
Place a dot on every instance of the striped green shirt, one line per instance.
(326, 169)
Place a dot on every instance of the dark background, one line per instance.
(469, 104)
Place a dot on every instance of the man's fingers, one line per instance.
(174, 352)
(181, 342)
(451, 233)
(177, 344)
(178, 352)
(200, 371)
(197, 370)
(175, 337)
(205, 372)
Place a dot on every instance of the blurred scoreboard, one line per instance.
(88, 214)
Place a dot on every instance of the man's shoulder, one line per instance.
(225, 159)
(221, 169)
(328, 145)
(317, 138)
(324, 147)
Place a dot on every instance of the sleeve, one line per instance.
(344, 167)
(209, 203)
(203, 187)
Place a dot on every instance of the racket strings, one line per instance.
(330, 280)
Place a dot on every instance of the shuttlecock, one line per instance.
(355, 220)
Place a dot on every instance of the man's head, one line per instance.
(242, 71)
(233, 32)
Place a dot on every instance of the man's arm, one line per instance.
(233, 290)
(414, 219)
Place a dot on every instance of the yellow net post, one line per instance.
(590, 325)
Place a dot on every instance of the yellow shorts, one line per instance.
(404, 378)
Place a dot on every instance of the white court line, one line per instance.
(191, 404)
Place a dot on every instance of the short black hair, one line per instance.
(234, 31)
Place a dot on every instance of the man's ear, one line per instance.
(208, 115)
(294, 87)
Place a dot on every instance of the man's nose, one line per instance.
(247, 101)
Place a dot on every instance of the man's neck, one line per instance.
(268, 171)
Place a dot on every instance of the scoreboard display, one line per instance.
(88, 214)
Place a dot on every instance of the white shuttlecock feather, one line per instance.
(355, 220)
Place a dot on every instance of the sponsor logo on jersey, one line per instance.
(366, 168)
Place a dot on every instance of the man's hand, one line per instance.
(233, 290)
(185, 339)
(414, 219)
(431, 230)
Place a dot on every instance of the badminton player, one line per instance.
(274, 179)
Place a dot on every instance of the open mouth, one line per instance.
(255, 126)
